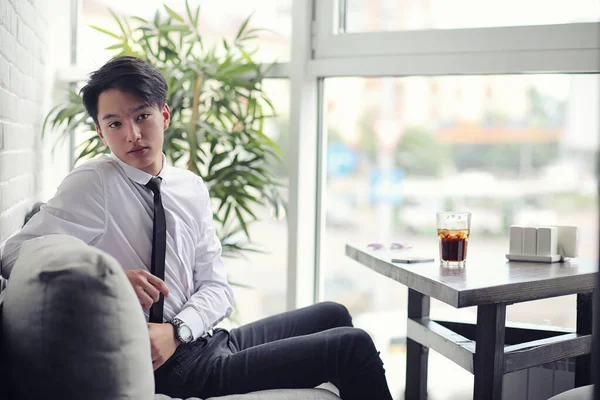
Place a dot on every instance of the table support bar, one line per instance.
(489, 352)
(416, 354)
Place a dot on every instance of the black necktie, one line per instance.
(159, 245)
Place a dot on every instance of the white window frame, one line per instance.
(572, 48)
(304, 162)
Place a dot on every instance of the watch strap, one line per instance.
(177, 323)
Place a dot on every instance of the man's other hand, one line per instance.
(163, 343)
(147, 286)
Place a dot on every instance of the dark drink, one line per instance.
(453, 244)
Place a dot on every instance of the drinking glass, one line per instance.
(453, 232)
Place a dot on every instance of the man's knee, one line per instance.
(337, 312)
(359, 345)
(360, 338)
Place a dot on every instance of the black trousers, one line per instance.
(297, 349)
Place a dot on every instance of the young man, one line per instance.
(154, 217)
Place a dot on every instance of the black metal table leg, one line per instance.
(416, 354)
(583, 364)
(489, 352)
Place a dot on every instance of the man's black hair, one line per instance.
(128, 74)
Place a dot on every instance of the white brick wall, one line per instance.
(23, 65)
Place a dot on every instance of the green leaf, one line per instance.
(188, 10)
(248, 37)
(227, 212)
(217, 159)
(118, 20)
(256, 30)
(242, 222)
(247, 209)
(93, 148)
(140, 19)
(246, 56)
(223, 202)
(173, 14)
(174, 28)
(190, 50)
(107, 32)
(240, 69)
(52, 111)
(269, 103)
(197, 17)
(243, 27)
(148, 47)
(115, 46)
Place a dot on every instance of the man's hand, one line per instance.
(163, 343)
(147, 286)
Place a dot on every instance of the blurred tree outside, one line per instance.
(544, 110)
(503, 159)
(367, 137)
(420, 154)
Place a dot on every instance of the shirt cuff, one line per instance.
(193, 320)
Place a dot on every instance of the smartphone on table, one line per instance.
(412, 260)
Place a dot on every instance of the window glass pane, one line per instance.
(265, 274)
(398, 15)
(516, 149)
(218, 20)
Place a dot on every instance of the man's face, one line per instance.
(132, 129)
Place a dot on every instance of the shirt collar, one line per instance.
(139, 176)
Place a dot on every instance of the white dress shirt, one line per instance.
(104, 203)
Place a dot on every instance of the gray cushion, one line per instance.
(582, 393)
(73, 325)
(283, 394)
(276, 394)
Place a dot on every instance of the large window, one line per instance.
(396, 15)
(511, 149)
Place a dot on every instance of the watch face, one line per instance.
(185, 334)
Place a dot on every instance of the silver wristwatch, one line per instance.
(182, 331)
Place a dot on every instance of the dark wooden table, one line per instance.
(488, 349)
